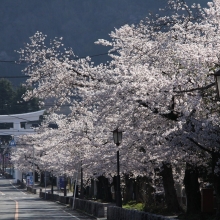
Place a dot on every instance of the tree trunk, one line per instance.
(144, 191)
(216, 182)
(41, 178)
(128, 196)
(192, 189)
(169, 189)
(65, 184)
(217, 192)
(103, 189)
(149, 191)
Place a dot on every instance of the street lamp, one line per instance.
(217, 81)
(117, 135)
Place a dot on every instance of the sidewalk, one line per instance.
(48, 189)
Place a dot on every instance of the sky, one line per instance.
(79, 22)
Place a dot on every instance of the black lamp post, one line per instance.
(117, 135)
(217, 81)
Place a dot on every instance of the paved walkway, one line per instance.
(48, 189)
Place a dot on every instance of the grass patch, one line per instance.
(134, 205)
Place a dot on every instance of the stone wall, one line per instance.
(103, 210)
(118, 213)
(64, 199)
(93, 208)
(30, 189)
(49, 196)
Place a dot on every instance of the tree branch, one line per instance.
(196, 89)
(200, 146)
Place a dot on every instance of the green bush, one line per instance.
(134, 205)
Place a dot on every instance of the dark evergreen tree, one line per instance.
(19, 105)
(6, 96)
(11, 102)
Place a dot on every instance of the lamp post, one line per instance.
(217, 81)
(117, 135)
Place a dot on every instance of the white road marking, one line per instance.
(46, 209)
(30, 209)
(17, 188)
(62, 216)
(2, 193)
(71, 215)
(54, 210)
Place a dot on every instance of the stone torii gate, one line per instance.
(29, 119)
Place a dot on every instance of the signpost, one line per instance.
(61, 182)
(29, 181)
(12, 143)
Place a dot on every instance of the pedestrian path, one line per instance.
(47, 189)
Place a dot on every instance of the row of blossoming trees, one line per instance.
(158, 87)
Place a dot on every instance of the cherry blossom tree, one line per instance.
(180, 61)
(159, 78)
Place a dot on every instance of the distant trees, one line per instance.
(6, 96)
(11, 101)
(20, 106)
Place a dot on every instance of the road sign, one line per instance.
(29, 181)
(61, 182)
(12, 143)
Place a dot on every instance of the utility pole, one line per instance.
(45, 182)
(3, 162)
(81, 191)
(52, 183)
(33, 169)
(65, 183)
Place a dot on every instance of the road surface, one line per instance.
(18, 204)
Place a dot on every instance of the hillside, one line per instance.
(79, 22)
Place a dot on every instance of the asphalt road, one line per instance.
(18, 204)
